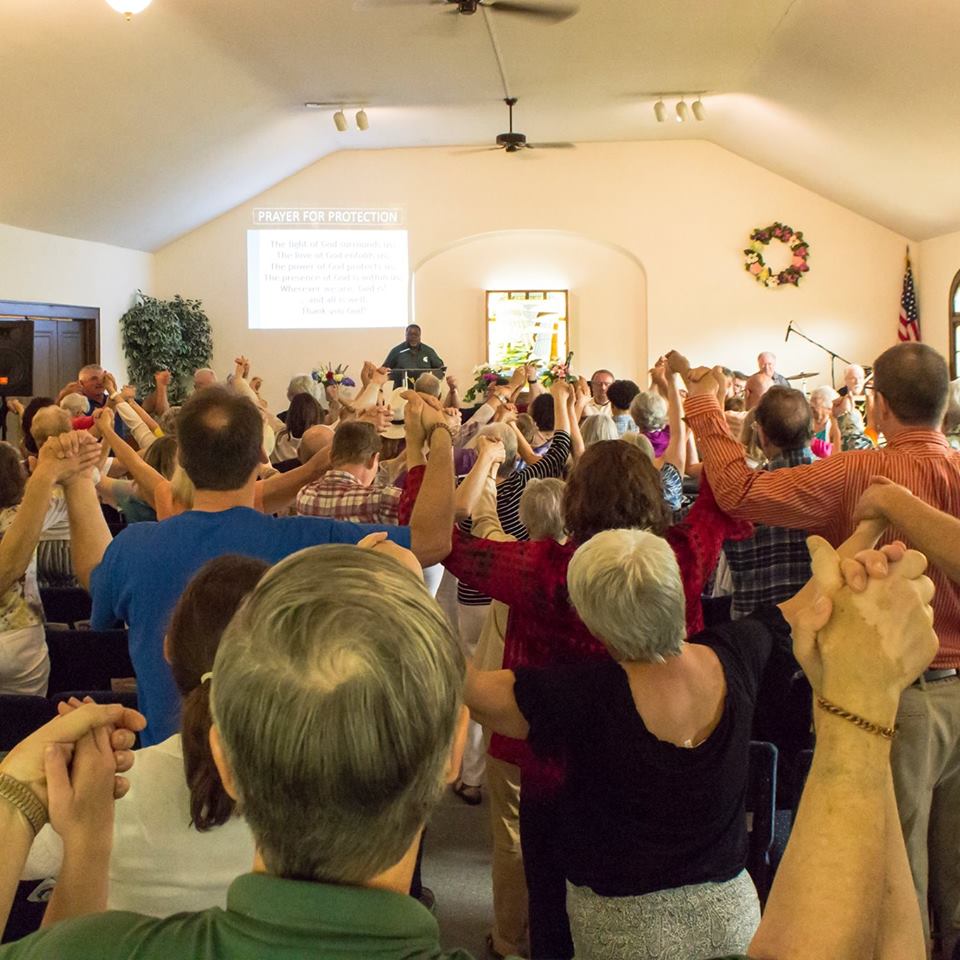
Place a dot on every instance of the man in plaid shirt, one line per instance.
(773, 564)
(350, 490)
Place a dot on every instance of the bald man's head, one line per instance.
(314, 440)
(49, 422)
(756, 387)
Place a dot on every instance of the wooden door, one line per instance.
(46, 376)
(70, 352)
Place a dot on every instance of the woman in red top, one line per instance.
(613, 486)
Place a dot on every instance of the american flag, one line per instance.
(909, 315)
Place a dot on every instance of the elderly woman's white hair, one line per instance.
(302, 383)
(499, 431)
(951, 419)
(541, 509)
(649, 411)
(825, 393)
(75, 404)
(598, 427)
(626, 587)
(640, 441)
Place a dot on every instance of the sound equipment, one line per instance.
(16, 358)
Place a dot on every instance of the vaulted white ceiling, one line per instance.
(134, 133)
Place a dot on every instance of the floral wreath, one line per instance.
(756, 265)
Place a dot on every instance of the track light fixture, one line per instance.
(682, 110)
(339, 117)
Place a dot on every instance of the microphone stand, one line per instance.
(833, 356)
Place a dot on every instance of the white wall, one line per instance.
(940, 263)
(683, 210)
(43, 268)
(606, 304)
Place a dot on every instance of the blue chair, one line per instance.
(761, 803)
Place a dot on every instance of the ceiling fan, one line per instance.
(547, 13)
(512, 141)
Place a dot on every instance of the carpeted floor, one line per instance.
(456, 867)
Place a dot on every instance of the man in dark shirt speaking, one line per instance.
(411, 358)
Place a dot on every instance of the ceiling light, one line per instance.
(129, 7)
(340, 121)
(683, 112)
(698, 110)
(660, 111)
(362, 120)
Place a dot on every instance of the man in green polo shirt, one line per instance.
(337, 702)
(409, 359)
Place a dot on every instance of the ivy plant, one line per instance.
(172, 335)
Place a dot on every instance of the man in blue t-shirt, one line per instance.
(139, 577)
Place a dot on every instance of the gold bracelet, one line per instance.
(887, 733)
(25, 800)
(438, 426)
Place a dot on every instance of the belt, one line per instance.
(931, 676)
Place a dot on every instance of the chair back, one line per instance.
(761, 804)
(87, 659)
(20, 716)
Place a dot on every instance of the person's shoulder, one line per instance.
(116, 933)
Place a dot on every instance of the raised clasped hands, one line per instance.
(869, 634)
(491, 450)
(68, 455)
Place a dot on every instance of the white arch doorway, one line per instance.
(607, 285)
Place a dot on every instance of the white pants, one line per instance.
(471, 621)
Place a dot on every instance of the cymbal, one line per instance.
(804, 376)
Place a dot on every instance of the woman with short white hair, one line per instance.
(651, 822)
(821, 403)
(598, 427)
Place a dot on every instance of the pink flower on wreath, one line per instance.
(797, 262)
(755, 268)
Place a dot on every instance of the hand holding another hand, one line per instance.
(68, 455)
(870, 632)
(52, 746)
(491, 450)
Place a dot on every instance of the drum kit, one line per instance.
(803, 378)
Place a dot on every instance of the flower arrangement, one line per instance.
(559, 371)
(757, 267)
(333, 376)
(483, 376)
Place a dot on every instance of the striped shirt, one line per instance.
(508, 503)
(821, 496)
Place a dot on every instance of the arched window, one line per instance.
(955, 327)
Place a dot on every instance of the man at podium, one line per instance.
(409, 359)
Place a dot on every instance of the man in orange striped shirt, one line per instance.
(911, 383)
